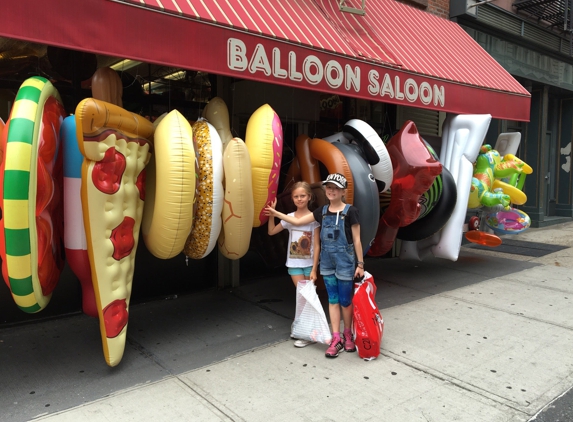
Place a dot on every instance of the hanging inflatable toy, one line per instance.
(374, 149)
(264, 140)
(74, 230)
(365, 193)
(437, 216)
(217, 114)
(481, 191)
(414, 172)
(207, 224)
(238, 209)
(31, 185)
(462, 137)
(334, 161)
(512, 221)
(116, 147)
(510, 178)
(169, 188)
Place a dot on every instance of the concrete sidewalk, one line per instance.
(486, 338)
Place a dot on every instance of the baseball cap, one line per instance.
(336, 179)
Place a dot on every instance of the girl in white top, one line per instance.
(304, 241)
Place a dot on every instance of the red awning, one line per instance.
(395, 53)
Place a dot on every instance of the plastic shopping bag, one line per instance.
(367, 323)
(309, 321)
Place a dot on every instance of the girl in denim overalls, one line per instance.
(340, 245)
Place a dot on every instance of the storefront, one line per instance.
(394, 54)
(535, 48)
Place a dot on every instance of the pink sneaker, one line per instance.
(349, 345)
(334, 348)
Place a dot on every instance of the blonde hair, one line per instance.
(305, 186)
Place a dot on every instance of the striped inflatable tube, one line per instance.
(31, 195)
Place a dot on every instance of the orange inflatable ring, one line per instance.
(169, 188)
(334, 161)
(264, 140)
(238, 208)
(209, 201)
(116, 147)
(309, 166)
(31, 190)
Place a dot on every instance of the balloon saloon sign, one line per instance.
(309, 69)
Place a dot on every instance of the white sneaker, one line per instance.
(303, 343)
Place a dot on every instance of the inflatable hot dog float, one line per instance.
(238, 212)
(116, 147)
(31, 195)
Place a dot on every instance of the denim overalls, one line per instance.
(336, 254)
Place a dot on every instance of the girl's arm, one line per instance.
(316, 252)
(308, 218)
(272, 228)
(358, 249)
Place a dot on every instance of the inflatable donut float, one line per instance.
(74, 231)
(217, 113)
(414, 172)
(374, 149)
(209, 201)
(31, 184)
(365, 193)
(238, 208)
(116, 148)
(264, 140)
(169, 188)
(335, 162)
(436, 217)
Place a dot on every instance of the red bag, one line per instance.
(367, 324)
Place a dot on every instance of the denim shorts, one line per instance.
(300, 271)
(338, 261)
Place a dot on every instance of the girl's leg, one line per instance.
(334, 312)
(347, 316)
(297, 278)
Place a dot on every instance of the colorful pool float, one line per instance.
(31, 184)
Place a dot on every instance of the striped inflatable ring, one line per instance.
(31, 187)
(207, 224)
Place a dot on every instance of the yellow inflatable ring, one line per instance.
(169, 188)
(31, 189)
(207, 223)
(238, 211)
(116, 147)
(264, 140)
(517, 196)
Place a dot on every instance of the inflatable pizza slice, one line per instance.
(116, 147)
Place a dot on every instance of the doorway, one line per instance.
(551, 175)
